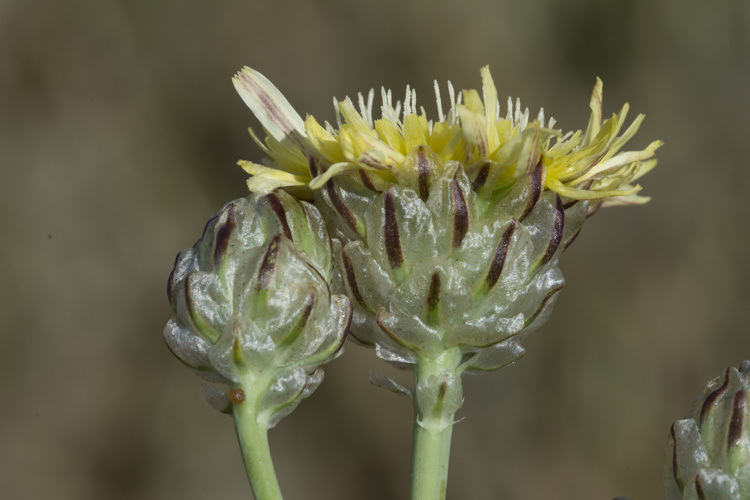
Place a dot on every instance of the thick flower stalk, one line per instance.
(448, 232)
(708, 454)
(253, 309)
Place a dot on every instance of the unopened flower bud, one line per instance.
(252, 303)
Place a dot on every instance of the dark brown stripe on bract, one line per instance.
(699, 485)
(390, 232)
(340, 206)
(675, 465)
(312, 164)
(304, 318)
(189, 304)
(423, 173)
(535, 190)
(571, 240)
(171, 281)
(299, 325)
(739, 408)
(443, 389)
(711, 398)
(278, 210)
(433, 295)
(392, 335)
(498, 261)
(539, 309)
(223, 235)
(557, 234)
(347, 328)
(207, 227)
(351, 279)
(481, 177)
(593, 209)
(268, 266)
(323, 280)
(460, 213)
(367, 181)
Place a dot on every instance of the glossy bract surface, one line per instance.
(440, 271)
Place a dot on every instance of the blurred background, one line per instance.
(119, 133)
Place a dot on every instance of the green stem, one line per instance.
(433, 426)
(253, 437)
(429, 468)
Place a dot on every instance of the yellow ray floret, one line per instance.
(303, 154)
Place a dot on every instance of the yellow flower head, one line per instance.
(403, 144)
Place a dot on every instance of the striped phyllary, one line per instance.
(708, 455)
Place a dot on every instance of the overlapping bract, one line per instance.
(427, 275)
(252, 301)
(708, 455)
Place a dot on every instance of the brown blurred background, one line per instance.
(119, 133)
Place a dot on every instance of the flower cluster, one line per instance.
(447, 232)
(494, 150)
(437, 242)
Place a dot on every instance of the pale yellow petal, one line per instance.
(368, 150)
(474, 128)
(644, 168)
(529, 157)
(323, 142)
(586, 194)
(268, 104)
(595, 122)
(336, 169)
(287, 155)
(489, 93)
(620, 160)
(265, 179)
(353, 118)
(523, 150)
(441, 137)
(416, 130)
(390, 134)
(473, 101)
(621, 201)
(626, 136)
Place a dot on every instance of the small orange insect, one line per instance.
(237, 395)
